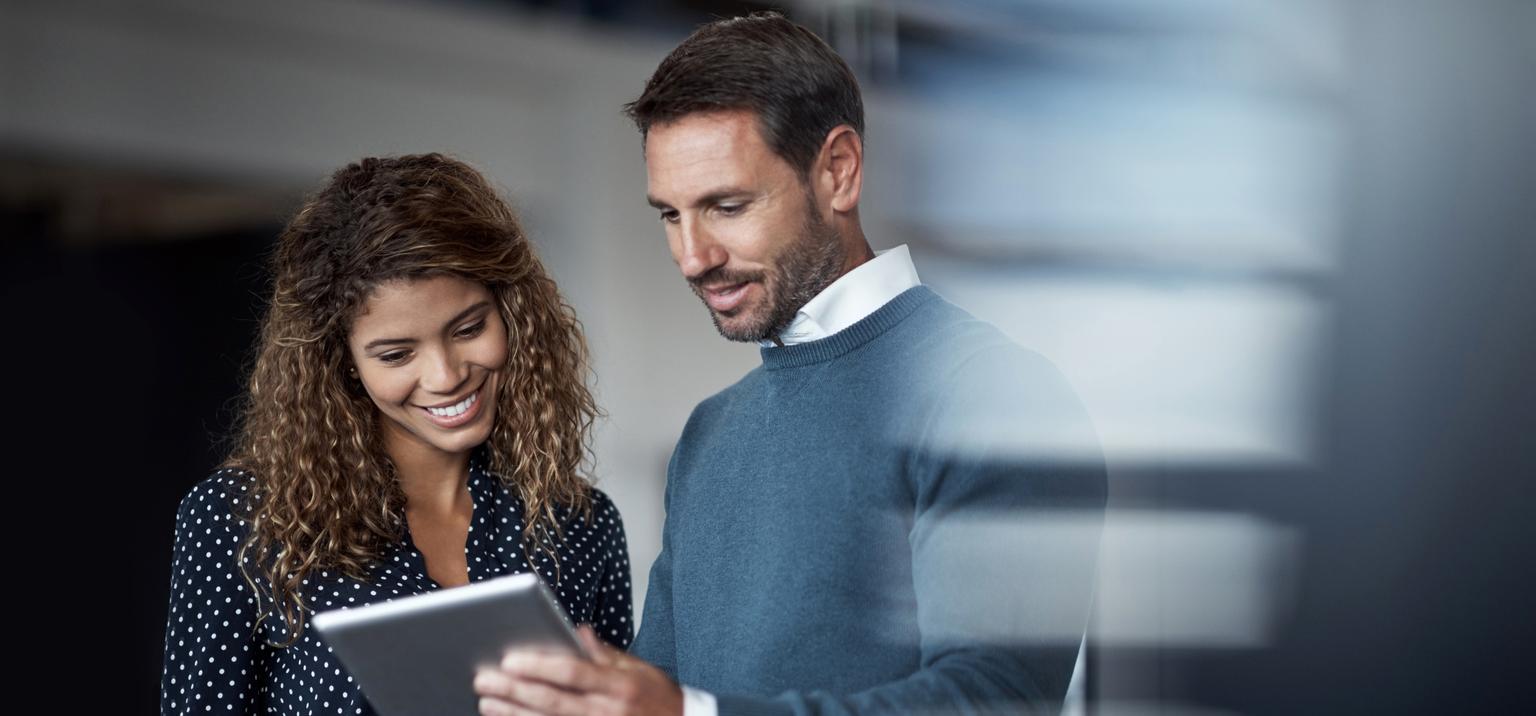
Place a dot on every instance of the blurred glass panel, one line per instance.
(1184, 371)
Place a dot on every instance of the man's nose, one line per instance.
(698, 252)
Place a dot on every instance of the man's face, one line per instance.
(740, 222)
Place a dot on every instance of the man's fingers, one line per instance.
(567, 672)
(546, 699)
(595, 648)
(490, 706)
(495, 691)
(491, 682)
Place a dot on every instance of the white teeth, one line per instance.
(453, 410)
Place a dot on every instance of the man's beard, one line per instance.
(801, 270)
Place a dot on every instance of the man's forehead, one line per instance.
(702, 150)
(704, 134)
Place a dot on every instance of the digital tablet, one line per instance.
(419, 655)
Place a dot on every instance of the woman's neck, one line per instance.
(434, 482)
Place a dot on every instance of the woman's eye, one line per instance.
(472, 330)
(394, 357)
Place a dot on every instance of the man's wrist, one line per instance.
(699, 703)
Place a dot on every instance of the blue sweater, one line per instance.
(840, 526)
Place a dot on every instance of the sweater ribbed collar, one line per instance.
(865, 330)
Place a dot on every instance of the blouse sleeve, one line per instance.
(211, 649)
(614, 621)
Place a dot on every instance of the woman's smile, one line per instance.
(453, 415)
(429, 352)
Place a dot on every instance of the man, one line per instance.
(856, 525)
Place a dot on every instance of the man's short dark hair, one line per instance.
(793, 81)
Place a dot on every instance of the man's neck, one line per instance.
(859, 291)
(860, 254)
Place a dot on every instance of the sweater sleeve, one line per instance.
(210, 644)
(1010, 491)
(656, 641)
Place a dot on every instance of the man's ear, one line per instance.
(840, 168)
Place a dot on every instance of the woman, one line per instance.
(416, 418)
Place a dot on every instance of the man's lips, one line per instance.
(726, 297)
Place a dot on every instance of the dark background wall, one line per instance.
(124, 360)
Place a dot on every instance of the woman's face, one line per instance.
(429, 352)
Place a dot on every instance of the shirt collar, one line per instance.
(851, 297)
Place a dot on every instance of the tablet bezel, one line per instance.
(419, 654)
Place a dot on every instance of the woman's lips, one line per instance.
(453, 421)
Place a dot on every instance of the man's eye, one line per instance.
(472, 330)
(669, 217)
(730, 209)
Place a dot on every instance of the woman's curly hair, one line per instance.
(324, 492)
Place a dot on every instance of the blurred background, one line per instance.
(1284, 249)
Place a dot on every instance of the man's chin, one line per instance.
(742, 327)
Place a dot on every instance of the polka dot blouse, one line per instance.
(218, 661)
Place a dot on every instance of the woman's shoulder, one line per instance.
(605, 513)
(219, 497)
(601, 502)
(600, 505)
(599, 517)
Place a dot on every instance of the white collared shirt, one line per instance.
(849, 299)
(852, 296)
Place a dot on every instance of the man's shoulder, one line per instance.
(943, 340)
(988, 386)
(743, 389)
(933, 343)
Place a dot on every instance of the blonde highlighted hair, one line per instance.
(324, 493)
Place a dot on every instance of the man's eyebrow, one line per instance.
(377, 342)
(706, 200)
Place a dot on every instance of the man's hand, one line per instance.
(612, 683)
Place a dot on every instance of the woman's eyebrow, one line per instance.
(466, 313)
(377, 342)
